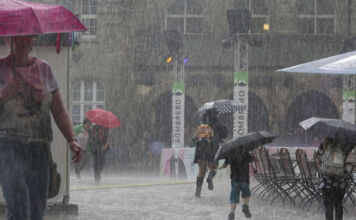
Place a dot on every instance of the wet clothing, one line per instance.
(98, 137)
(238, 188)
(332, 182)
(333, 198)
(83, 138)
(333, 189)
(25, 133)
(28, 118)
(24, 175)
(240, 176)
(206, 148)
(240, 168)
(99, 163)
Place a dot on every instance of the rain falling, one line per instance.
(177, 109)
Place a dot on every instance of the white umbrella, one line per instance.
(340, 64)
(222, 106)
(330, 127)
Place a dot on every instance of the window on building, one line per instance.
(86, 95)
(89, 17)
(260, 13)
(316, 16)
(186, 16)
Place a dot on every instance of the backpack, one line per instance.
(204, 131)
(333, 161)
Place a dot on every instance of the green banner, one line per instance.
(178, 101)
(241, 78)
(348, 95)
(178, 87)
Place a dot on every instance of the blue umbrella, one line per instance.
(340, 64)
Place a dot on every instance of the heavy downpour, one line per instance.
(177, 109)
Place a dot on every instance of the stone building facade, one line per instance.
(120, 64)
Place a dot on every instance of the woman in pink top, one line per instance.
(28, 95)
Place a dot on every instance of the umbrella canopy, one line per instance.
(222, 106)
(332, 128)
(340, 64)
(248, 141)
(30, 18)
(103, 118)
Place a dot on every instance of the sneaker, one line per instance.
(246, 211)
(231, 216)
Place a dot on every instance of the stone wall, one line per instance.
(132, 88)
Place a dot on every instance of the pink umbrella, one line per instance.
(29, 18)
(102, 117)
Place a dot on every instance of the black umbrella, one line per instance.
(222, 106)
(333, 128)
(247, 141)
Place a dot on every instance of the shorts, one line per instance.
(238, 187)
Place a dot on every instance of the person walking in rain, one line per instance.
(331, 157)
(82, 132)
(99, 145)
(209, 134)
(239, 162)
(28, 94)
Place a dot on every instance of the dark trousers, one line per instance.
(333, 201)
(24, 175)
(99, 162)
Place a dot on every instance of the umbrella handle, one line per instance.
(16, 74)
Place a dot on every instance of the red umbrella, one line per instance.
(30, 18)
(102, 117)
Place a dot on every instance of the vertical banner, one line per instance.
(348, 106)
(241, 99)
(178, 99)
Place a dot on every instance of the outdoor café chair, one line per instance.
(258, 175)
(295, 182)
(275, 177)
(266, 175)
(310, 180)
(351, 189)
(263, 177)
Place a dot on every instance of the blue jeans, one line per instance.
(236, 189)
(24, 175)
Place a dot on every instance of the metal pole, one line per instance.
(178, 105)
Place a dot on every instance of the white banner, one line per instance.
(178, 115)
(348, 106)
(240, 99)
